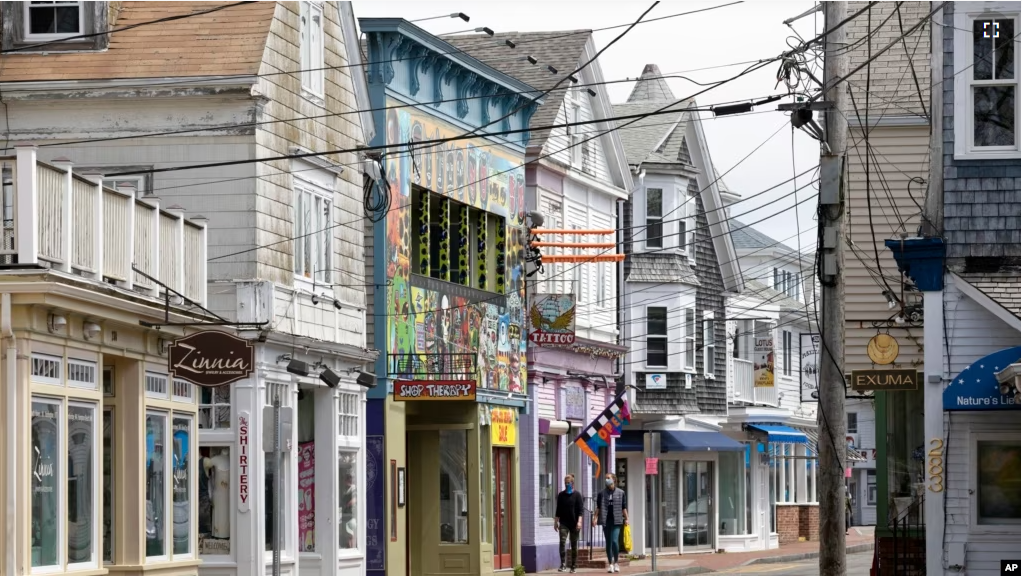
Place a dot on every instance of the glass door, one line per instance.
(503, 504)
(670, 500)
(697, 517)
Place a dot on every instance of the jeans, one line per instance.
(569, 535)
(612, 534)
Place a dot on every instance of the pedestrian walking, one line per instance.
(568, 522)
(612, 514)
(848, 510)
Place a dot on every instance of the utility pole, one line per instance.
(831, 419)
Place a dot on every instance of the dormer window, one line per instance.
(38, 26)
(52, 20)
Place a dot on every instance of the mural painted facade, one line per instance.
(452, 312)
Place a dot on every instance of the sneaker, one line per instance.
(610, 568)
(562, 568)
(617, 567)
(572, 569)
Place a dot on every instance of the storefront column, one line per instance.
(933, 424)
(129, 475)
(248, 474)
(327, 481)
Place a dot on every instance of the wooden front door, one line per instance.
(503, 506)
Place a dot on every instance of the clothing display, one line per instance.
(219, 473)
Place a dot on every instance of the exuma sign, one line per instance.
(211, 358)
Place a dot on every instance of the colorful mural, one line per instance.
(423, 322)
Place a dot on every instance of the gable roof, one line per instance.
(748, 238)
(774, 297)
(658, 139)
(562, 50)
(223, 43)
(1003, 289)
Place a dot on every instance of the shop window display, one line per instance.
(347, 469)
(732, 493)
(108, 484)
(182, 485)
(81, 454)
(215, 500)
(307, 496)
(156, 485)
(45, 490)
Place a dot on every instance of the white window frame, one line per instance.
(359, 497)
(787, 347)
(647, 218)
(965, 14)
(53, 36)
(871, 488)
(79, 366)
(57, 360)
(139, 182)
(573, 113)
(852, 416)
(216, 404)
(311, 50)
(193, 496)
(665, 337)
(709, 345)
(61, 485)
(321, 274)
(154, 394)
(688, 326)
(973, 485)
(686, 232)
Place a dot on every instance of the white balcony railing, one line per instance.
(68, 222)
(744, 387)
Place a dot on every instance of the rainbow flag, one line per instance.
(597, 434)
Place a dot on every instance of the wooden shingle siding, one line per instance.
(711, 394)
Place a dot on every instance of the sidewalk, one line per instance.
(859, 539)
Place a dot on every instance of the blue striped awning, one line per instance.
(780, 434)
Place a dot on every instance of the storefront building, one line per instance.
(98, 469)
(448, 309)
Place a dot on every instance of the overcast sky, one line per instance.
(738, 33)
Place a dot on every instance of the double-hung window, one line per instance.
(573, 113)
(349, 426)
(690, 339)
(709, 345)
(311, 48)
(52, 20)
(786, 339)
(313, 233)
(656, 336)
(986, 80)
(686, 222)
(654, 218)
(871, 487)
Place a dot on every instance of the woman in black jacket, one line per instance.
(568, 521)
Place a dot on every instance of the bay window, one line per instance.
(986, 89)
(656, 336)
(654, 218)
(690, 340)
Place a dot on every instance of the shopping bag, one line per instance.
(626, 538)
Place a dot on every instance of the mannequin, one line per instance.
(218, 471)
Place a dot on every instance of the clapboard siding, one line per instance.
(546, 401)
(972, 330)
(557, 145)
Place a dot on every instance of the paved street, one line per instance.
(858, 565)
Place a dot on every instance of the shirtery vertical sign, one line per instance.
(809, 353)
(243, 452)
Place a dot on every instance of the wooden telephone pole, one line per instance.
(831, 419)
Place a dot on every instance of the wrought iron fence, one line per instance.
(907, 555)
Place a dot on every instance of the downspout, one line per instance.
(11, 430)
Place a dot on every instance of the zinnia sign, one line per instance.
(211, 358)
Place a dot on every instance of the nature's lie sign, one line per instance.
(211, 358)
(883, 380)
(405, 390)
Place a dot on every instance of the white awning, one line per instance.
(814, 438)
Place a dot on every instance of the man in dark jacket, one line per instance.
(568, 521)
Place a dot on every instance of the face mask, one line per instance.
(609, 482)
(569, 487)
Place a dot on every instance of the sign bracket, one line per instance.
(167, 290)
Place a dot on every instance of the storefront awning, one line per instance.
(851, 454)
(977, 387)
(780, 434)
(679, 441)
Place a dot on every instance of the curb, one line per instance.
(686, 571)
(856, 549)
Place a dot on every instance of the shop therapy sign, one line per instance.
(211, 358)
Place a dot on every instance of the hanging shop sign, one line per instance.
(211, 358)
(885, 380)
(243, 448)
(503, 426)
(763, 370)
(882, 349)
(552, 319)
(810, 353)
(414, 390)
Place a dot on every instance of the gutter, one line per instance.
(11, 431)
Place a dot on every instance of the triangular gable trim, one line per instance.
(980, 297)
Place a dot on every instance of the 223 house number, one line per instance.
(935, 465)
